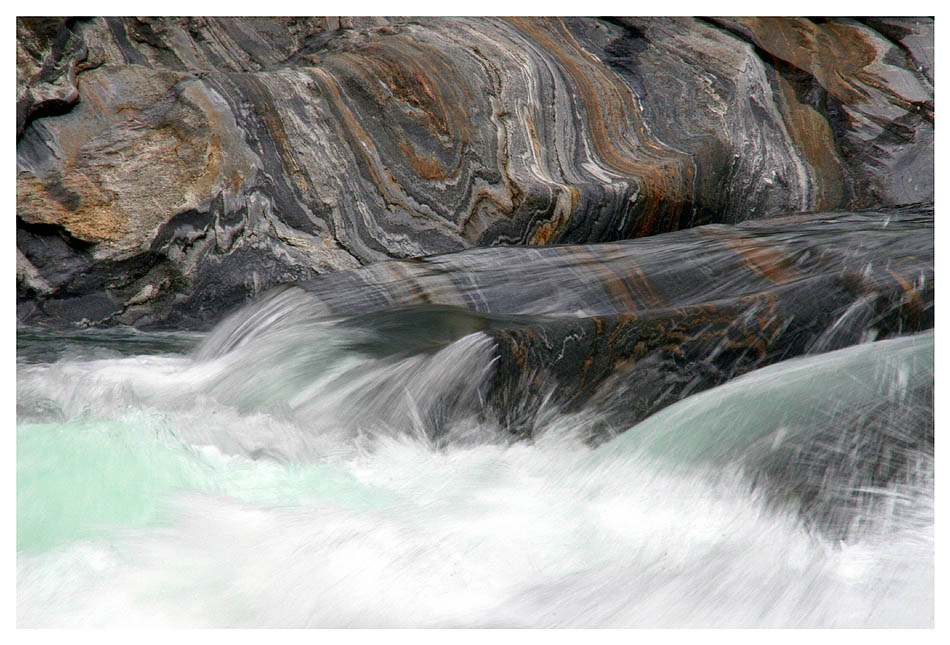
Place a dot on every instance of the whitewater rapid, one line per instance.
(300, 478)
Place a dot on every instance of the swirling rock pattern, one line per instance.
(170, 169)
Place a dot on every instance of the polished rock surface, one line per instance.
(627, 328)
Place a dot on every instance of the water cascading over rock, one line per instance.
(475, 322)
(621, 328)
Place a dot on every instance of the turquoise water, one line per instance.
(84, 479)
(784, 402)
(293, 481)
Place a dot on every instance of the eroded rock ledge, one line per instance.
(170, 169)
(627, 328)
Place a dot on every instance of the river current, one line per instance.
(291, 478)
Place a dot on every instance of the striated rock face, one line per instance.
(170, 169)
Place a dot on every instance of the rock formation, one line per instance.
(170, 169)
(673, 314)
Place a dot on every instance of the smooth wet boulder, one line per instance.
(887, 246)
(170, 169)
(630, 327)
(836, 281)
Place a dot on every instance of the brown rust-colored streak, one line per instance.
(837, 57)
(768, 319)
(677, 330)
(812, 135)
(772, 263)
(855, 54)
(608, 279)
(419, 77)
(519, 341)
(547, 231)
(729, 326)
(834, 54)
(631, 276)
(362, 143)
(97, 218)
(535, 141)
(912, 299)
(270, 114)
(426, 166)
(407, 278)
(667, 175)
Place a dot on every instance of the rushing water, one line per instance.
(289, 475)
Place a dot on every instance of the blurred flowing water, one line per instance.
(299, 470)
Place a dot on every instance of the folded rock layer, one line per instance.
(169, 169)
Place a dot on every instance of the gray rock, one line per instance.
(171, 168)
(624, 329)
